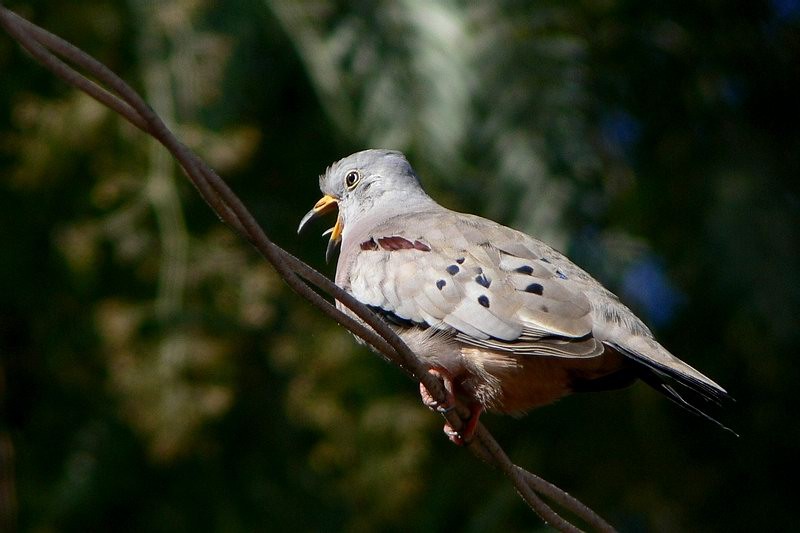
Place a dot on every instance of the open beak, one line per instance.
(326, 204)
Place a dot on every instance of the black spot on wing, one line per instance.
(535, 288)
(483, 300)
(482, 280)
(525, 269)
(460, 260)
(440, 284)
(453, 270)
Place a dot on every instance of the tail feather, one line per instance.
(662, 376)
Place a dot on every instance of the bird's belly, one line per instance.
(504, 382)
(516, 384)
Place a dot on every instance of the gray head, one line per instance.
(372, 184)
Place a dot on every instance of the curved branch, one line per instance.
(120, 97)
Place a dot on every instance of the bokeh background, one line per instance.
(156, 375)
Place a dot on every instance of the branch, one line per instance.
(120, 97)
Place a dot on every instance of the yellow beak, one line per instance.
(325, 205)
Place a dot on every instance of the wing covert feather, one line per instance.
(483, 293)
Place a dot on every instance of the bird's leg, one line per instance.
(447, 381)
(457, 437)
(460, 438)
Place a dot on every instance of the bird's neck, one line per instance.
(386, 207)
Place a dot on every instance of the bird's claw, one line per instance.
(433, 403)
(463, 437)
(460, 438)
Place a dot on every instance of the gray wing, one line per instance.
(456, 279)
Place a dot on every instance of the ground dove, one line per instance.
(507, 322)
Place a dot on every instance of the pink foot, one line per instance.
(460, 438)
(464, 436)
(447, 381)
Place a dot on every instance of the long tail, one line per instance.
(662, 377)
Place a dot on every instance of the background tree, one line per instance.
(155, 375)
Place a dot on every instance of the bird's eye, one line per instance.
(351, 179)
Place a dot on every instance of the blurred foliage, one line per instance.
(155, 374)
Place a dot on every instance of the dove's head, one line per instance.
(371, 185)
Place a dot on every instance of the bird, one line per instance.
(505, 321)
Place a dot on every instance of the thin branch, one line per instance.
(525, 489)
(120, 97)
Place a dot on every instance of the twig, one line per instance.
(120, 97)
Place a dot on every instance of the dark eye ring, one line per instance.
(352, 178)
